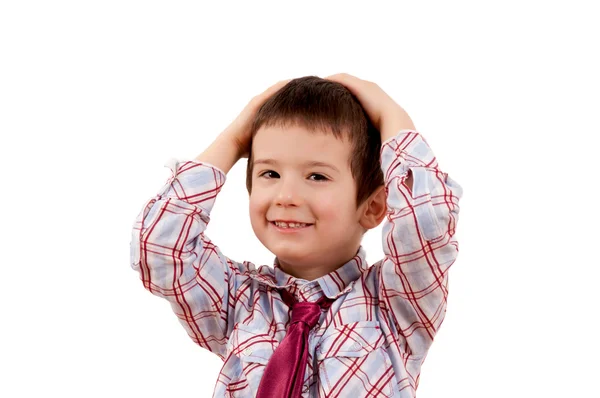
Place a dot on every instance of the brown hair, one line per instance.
(325, 106)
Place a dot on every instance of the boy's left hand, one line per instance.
(385, 114)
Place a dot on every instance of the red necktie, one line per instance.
(284, 373)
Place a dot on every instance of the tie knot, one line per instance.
(305, 311)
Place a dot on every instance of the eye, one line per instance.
(268, 171)
(321, 176)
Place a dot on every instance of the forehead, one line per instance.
(297, 145)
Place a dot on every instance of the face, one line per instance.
(289, 187)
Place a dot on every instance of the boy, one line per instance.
(321, 322)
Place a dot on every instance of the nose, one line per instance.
(288, 195)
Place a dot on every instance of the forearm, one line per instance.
(409, 181)
(168, 239)
(391, 128)
(396, 121)
(421, 246)
(222, 153)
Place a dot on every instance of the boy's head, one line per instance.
(314, 120)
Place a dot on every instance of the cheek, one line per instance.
(257, 208)
(255, 219)
(331, 208)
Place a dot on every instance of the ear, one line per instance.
(374, 209)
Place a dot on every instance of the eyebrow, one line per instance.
(309, 163)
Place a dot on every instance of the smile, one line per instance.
(289, 230)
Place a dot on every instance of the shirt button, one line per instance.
(247, 351)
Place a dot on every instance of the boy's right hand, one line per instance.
(239, 129)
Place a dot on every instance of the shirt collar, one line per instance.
(333, 284)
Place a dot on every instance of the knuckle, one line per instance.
(341, 76)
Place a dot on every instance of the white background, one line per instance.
(96, 96)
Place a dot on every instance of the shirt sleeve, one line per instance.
(419, 241)
(178, 262)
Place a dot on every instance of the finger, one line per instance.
(277, 86)
(356, 86)
(338, 75)
(336, 78)
(345, 78)
(258, 99)
(271, 90)
(351, 82)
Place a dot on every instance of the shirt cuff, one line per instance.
(194, 182)
(172, 164)
(409, 148)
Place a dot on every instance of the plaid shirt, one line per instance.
(374, 338)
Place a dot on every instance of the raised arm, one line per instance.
(177, 261)
(169, 247)
(418, 233)
(419, 240)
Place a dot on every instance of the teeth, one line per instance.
(290, 225)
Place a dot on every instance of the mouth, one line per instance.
(290, 229)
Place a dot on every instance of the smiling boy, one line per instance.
(290, 188)
(328, 159)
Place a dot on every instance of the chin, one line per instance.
(289, 256)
